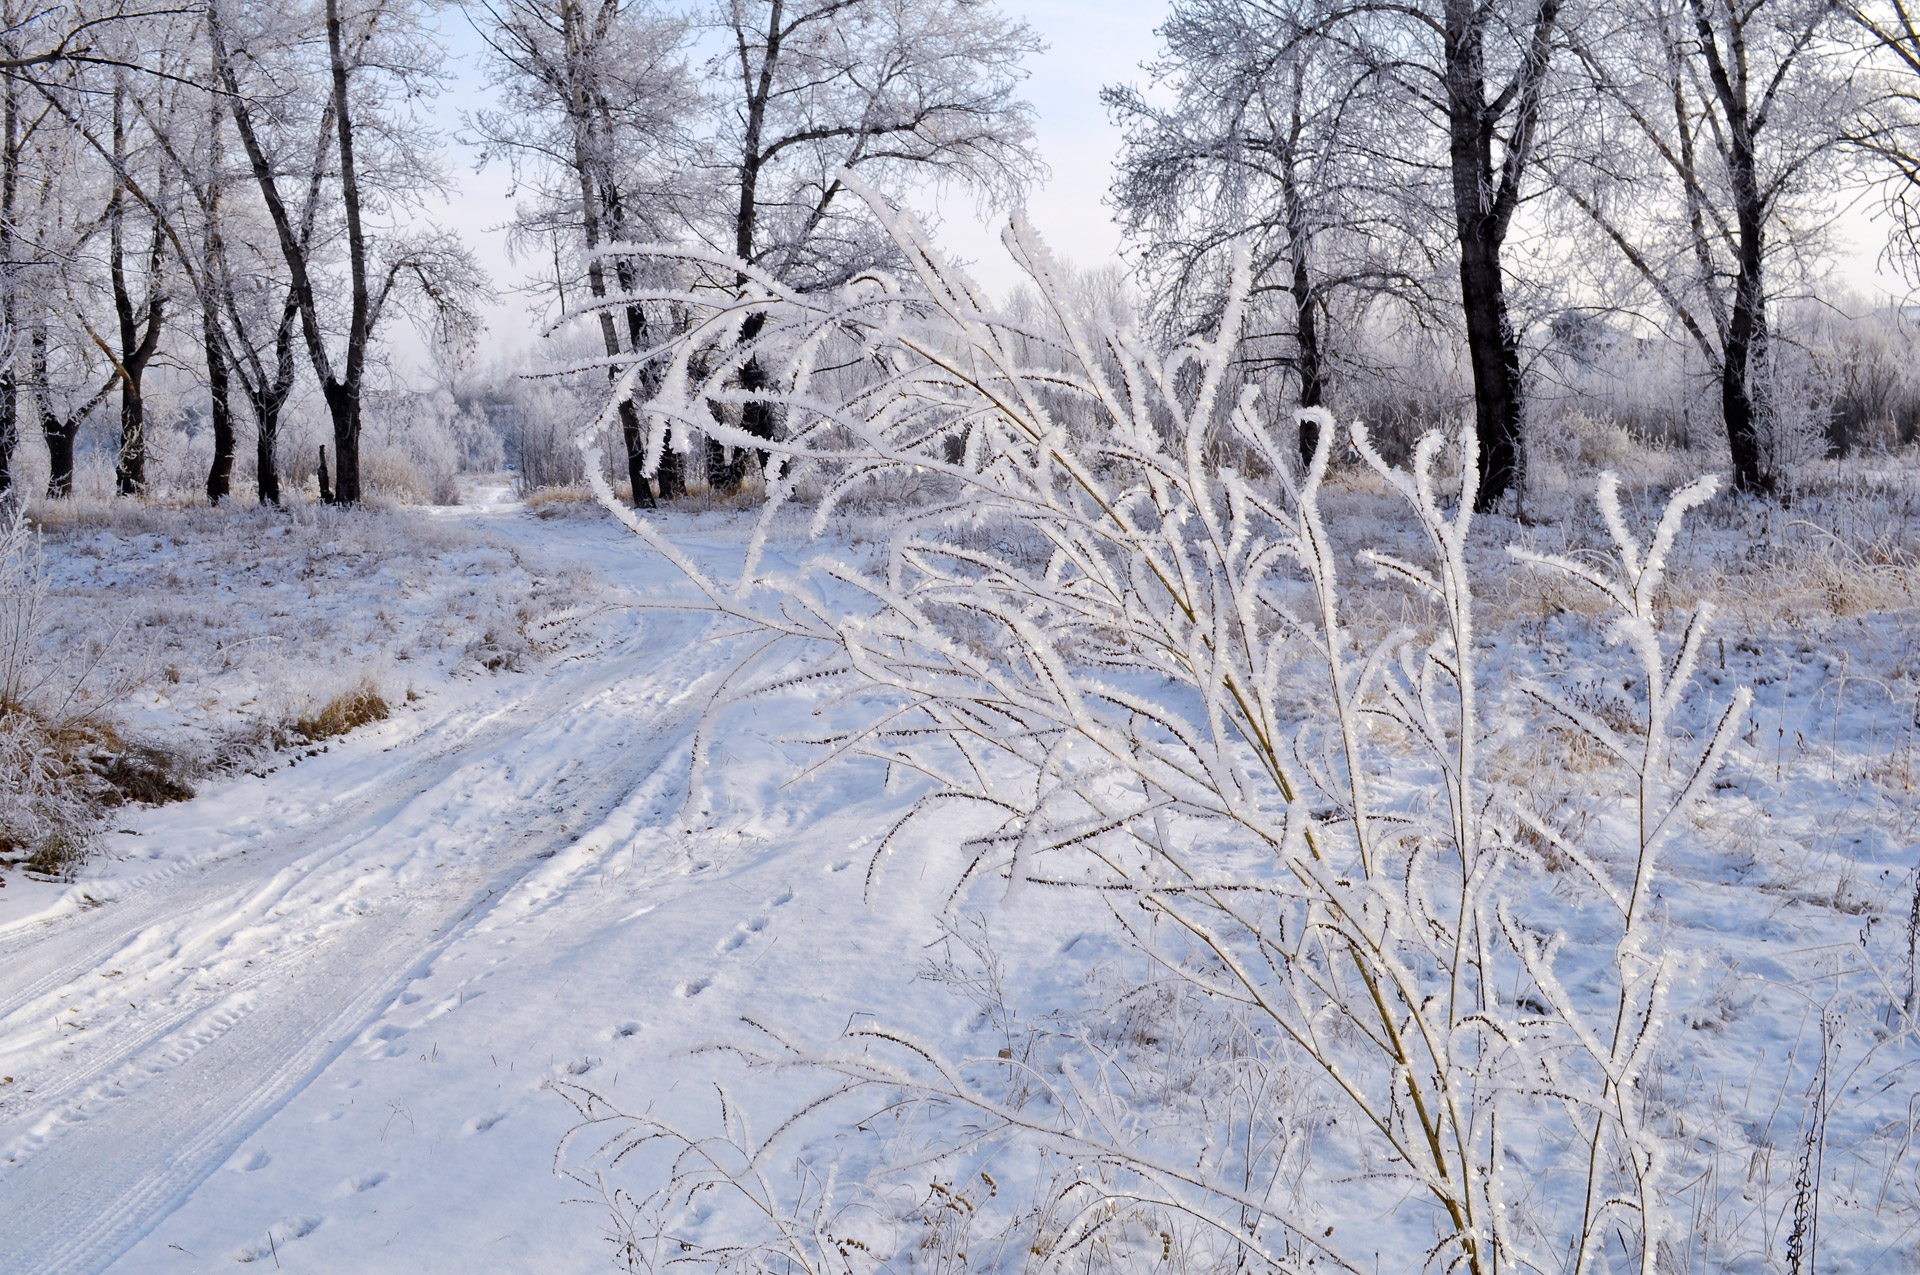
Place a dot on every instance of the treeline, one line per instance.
(1646, 184)
(237, 191)
(234, 196)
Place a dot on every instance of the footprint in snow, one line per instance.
(480, 1124)
(365, 1182)
(455, 1001)
(624, 1030)
(252, 1161)
(781, 899)
(695, 986)
(284, 1231)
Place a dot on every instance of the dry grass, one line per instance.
(348, 711)
(570, 501)
(61, 775)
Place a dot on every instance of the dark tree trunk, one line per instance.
(1743, 343)
(266, 463)
(9, 276)
(130, 469)
(344, 407)
(725, 473)
(219, 399)
(59, 434)
(1306, 331)
(58, 431)
(1741, 352)
(1306, 343)
(1494, 354)
(343, 397)
(219, 411)
(596, 187)
(9, 427)
(268, 402)
(137, 346)
(328, 496)
(1484, 198)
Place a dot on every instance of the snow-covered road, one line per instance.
(152, 1024)
(314, 1019)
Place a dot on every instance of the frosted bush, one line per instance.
(1119, 660)
(416, 445)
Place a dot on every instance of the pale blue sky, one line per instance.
(1090, 43)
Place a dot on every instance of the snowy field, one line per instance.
(339, 1011)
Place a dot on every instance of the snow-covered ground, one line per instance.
(309, 1016)
(314, 1017)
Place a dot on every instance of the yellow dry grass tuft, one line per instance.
(347, 711)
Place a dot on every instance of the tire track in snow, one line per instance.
(150, 1106)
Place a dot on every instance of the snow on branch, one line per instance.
(1092, 623)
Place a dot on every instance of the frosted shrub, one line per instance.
(49, 788)
(1123, 662)
(416, 446)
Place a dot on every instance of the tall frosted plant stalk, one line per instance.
(1091, 638)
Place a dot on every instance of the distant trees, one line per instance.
(232, 193)
(597, 121)
(1693, 147)
(206, 190)
(1715, 124)
(1446, 89)
(621, 139)
(1277, 138)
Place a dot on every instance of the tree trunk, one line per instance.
(266, 464)
(1742, 351)
(9, 276)
(343, 397)
(1744, 344)
(219, 410)
(59, 434)
(1306, 331)
(328, 495)
(130, 465)
(137, 346)
(1494, 354)
(1484, 199)
(726, 473)
(219, 402)
(591, 173)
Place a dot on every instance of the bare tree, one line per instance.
(908, 91)
(1279, 141)
(1720, 121)
(1887, 129)
(596, 122)
(379, 62)
(138, 323)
